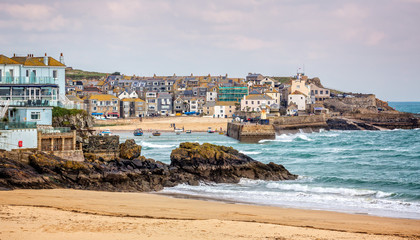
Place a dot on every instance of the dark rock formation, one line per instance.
(218, 164)
(129, 149)
(341, 124)
(191, 163)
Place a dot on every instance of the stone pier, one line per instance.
(252, 133)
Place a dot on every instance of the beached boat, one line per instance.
(209, 130)
(188, 131)
(221, 133)
(178, 130)
(178, 133)
(156, 133)
(138, 132)
(105, 132)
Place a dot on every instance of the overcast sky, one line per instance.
(360, 46)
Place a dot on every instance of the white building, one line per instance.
(256, 102)
(299, 99)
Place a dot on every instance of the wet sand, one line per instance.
(196, 124)
(78, 214)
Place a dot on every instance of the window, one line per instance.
(93, 101)
(301, 97)
(11, 72)
(298, 86)
(35, 115)
(326, 91)
(27, 73)
(268, 102)
(107, 103)
(115, 108)
(94, 109)
(246, 102)
(34, 71)
(54, 73)
(321, 92)
(116, 101)
(258, 102)
(316, 91)
(252, 102)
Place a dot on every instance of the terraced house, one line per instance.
(105, 105)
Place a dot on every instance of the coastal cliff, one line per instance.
(190, 163)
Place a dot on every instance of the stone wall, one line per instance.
(313, 123)
(71, 155)
(106, 147)
(246, 132)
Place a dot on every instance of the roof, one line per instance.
(91, 89)
(6, 60)
(37, 61)
(228, 103)
(102, 97)
(74, 98)
(297, 93)
(258, 97)
(132, 100)
(209, 104)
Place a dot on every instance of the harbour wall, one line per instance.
(246, 132)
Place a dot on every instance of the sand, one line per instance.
(164, 123)
(78, 214)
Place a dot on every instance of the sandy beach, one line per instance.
(197, 124)
(77, 214)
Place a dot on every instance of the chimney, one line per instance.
(46, 60)
(14, 54)
(61, 58)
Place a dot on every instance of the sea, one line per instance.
(360, 172)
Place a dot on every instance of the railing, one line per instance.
(55, 130)
(28, 80)
(17, 125)
(31, 103)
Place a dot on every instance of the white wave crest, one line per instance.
(153, 145)
(288, 138)
(327, 190)
(250, 152)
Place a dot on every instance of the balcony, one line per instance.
(28, 80)
(17, 125)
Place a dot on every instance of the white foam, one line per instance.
(153, 145)
(288, 138)
(250, 152)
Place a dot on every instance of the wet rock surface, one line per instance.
(190, 163)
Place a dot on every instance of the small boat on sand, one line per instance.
(138, 132)
(156, 133)
(209, 130)
(221, 133)
(105, 132)
(188, 131)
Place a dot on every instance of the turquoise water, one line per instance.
(364, 172)
(412, 107)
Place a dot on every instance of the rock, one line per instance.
(208, 162)
(341, 124)
(191, 163)
(129, 149)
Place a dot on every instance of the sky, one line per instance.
(357, 46)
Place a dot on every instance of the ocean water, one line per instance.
(363, 172)
(412, 107)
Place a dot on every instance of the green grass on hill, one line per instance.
(282, 79)
(77, 74)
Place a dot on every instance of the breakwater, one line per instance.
(247, 132)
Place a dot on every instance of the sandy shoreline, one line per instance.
(78, 214)
(196, 124)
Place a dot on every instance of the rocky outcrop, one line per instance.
(341, 124)
(78, 120)
(191, 163)
(208, 162)
(129, 149)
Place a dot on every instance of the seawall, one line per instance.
(246, 132)
(295, 124)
